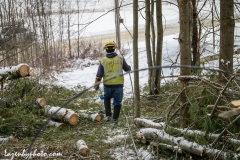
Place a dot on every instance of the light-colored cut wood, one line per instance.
(236, 103)
(83, 148)
(41, 102)
(62, 114)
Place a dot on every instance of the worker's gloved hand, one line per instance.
(96, 85)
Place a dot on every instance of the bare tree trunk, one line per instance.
(185, 57)
(153, 53)
(158, 61)
(213, 11)
(153, 31)
(117, 24)
(43, 19)
(135, 59)
(69, 34)
(61, 21)
(227, 25)
(195, 36)
(148, 47)
(78, 44)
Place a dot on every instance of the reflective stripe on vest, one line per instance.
(112, 68)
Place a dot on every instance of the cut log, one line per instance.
(185, 145)
(91, 116)
(14, 72)
(230, 113)
(56, 124)
(41, 102)
(236, 103)
(62, 114)
(83, 148)
(238, 149)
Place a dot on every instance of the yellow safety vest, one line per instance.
(112, 68)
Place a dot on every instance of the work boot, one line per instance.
(114, 123)
(108, 118)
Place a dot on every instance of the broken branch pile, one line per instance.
(160, 137)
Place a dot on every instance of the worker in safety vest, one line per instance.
(111, 70)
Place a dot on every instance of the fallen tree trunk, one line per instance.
(91, 116)
(212, 136)
(14, 72)
(63, 114)
(41, 102)
(185, 145)
(83, 148)
(139, 122)
(155, 134)
(56, 124)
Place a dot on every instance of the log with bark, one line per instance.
(140, 122)
(145, 123)
(212, 136)
(41, 102)
(62, 114)
(56, 124)
(91, 116)
(83, 148)
(14, 72)
(185, 145)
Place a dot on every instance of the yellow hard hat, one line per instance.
(110, 44)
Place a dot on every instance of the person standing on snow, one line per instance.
(112, 65)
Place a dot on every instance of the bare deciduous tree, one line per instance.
(185, 56)
(158, 59)
(227, 24)
(135, 59)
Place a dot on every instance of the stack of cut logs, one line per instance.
(62, 116)
(67, 116)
